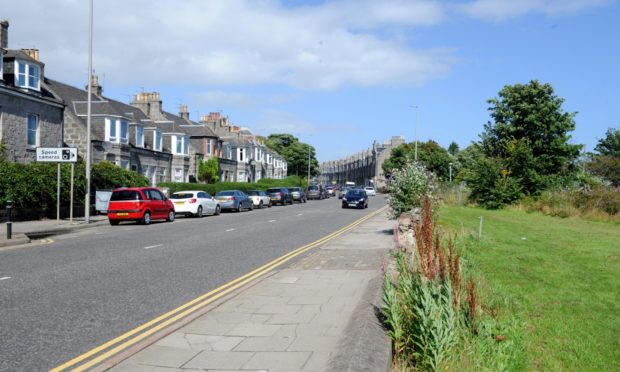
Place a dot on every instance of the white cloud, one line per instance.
(276, 121)
(223, 42)
(499, 10)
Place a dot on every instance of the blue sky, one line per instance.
(337, 74)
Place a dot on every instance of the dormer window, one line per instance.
(180, 145)
(157, 138)
(116, 131)
(27, 75)
(139, 136)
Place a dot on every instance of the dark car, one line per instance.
(234, 200)
(298, 194)
(355, 198)
(315, 192)
(141, 204)
(280, 195)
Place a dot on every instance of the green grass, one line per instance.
(561, 275)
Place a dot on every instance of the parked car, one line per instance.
(315, 192)
(298, 194)
(259, 198)
(330, 190)
(280, 195)
(234, 200)
(140, 204)
(355, 198)
(194, 203)
(370, 191)
(342, 191)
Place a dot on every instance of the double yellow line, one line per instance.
(140, 333)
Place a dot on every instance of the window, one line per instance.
(124, 132)
(162, 174)
(27, 75)
(179, 141)
(110, 126)
(33, 130)
(158, 140)
(240, 157)
(209, 147)
(139, 136)
(178, 175)
(124, 164)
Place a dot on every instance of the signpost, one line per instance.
(59, 155)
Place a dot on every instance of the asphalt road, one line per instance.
(70, 295)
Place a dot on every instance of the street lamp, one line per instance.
(450, 165)
(415, 153)
(308, 180)
(88, 113)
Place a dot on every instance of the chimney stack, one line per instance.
(184, 112)
(96, 88)
(4, 34)
(32, 53)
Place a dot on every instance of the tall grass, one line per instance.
(423, 302)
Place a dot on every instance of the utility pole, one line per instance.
(415, 133)
(308, 181)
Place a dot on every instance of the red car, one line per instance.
(141, 204)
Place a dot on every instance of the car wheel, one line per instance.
(251, 206)
(146, 218)
(344, 206)
(269, 204)
(171, 216)
(199, 211)
(260, 205)
(114, 222)
(218, 210)
(239, 208)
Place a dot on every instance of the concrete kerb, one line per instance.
(31, 230)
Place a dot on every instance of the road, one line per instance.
(69, 295)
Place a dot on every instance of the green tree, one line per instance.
(530, 124)
(610, 145)
(208, 170)
(295, 153)
(436, 159)
(453, 148)
(399, 156)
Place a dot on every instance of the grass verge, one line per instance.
(559, 277)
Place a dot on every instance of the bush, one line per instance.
(408, 187)
(33, 186)
(491, 185)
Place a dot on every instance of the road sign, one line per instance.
(57, 154)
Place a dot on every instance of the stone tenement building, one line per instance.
(363, 168)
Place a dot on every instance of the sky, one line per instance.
(337, 74)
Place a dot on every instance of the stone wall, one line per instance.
(14, 111)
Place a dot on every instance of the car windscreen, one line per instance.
(186, 195)
(252, 193)
(225, 193)
(124, 195)
(271, 191)
(313, 188)
(356, 193)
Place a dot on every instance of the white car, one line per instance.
(370, 191)
(195, 203)
(260, 199)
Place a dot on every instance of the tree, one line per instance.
(295, 153)
(436, 159)
(610, 145)
(208, 170)
(530, 134)
(453, 148)
(398, 158)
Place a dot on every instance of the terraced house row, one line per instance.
(36, 111)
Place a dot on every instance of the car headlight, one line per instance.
(344, 199)
(361, 200)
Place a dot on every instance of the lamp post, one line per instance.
(308, 181)
(88, 112)
(415, 133)
(450, 165)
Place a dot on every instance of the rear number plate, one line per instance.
(179, 203)
(122, 214)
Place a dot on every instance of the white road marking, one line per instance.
(300, 214)
(153, 246)
(229, 230)
(5, 278)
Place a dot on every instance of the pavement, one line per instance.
(318, 313)
(25, 231)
